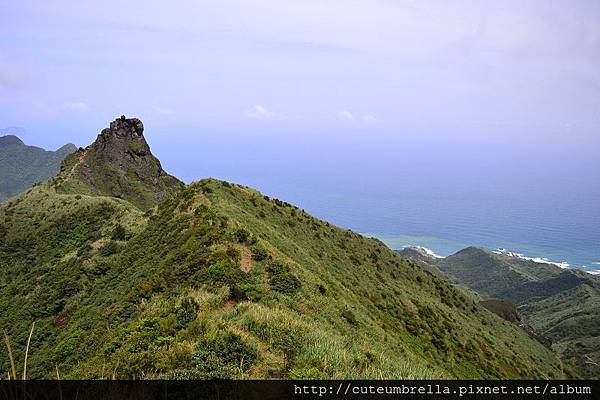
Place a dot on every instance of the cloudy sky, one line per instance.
(384, 116)
(301, 68)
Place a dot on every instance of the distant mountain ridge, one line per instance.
(21, 166)
(562, 305)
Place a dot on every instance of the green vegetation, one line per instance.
(118, 233)
(562, 306)
(23, 166)
(281, 279)
(504, 309)
(165, 297)
(127, 273)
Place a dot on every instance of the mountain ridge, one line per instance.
(220, 281)
(561, 305)
(10, 140)
(22, 166)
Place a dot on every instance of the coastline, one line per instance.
(440, 248)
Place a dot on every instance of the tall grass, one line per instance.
(11, 358)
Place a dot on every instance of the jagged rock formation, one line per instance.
(119, 164)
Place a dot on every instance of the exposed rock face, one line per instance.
(119, 164)
(123, 149)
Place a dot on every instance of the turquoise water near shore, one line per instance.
(443, 248)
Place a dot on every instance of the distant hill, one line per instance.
(22, 166)
(128, 273)
(561, 305)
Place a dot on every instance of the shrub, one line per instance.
(221, 356)
(84, 250)
(233, 254)
(118, 233)
(241, 235)
(186, 312)
(306, 373)
(281, 279)
(237, 294)
(349, 316)
(108, 249)
(259, 253)
(221, 272)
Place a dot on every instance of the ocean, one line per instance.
(555, 228)
(535, 196)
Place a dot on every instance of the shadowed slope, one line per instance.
(22, 166)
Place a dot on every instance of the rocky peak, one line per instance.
(124, 135)
(120, 164)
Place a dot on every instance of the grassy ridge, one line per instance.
(561, 305)
(221, 281)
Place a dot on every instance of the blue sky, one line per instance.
(201, 72)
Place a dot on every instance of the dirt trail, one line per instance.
(229, 305)
(245, 259)
(72, 171)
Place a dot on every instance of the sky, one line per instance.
(274, 79)
(457, 120)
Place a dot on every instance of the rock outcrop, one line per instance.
(119, 164)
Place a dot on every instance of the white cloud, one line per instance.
(370, 119)
(163, 111)
(77, 105)
(260, 112)
(346, 115)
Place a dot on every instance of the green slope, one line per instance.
(22, 166)
(571, 319)
(560, 305)
(129, 274)
(220, 281)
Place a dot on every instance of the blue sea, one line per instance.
(537, 196)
